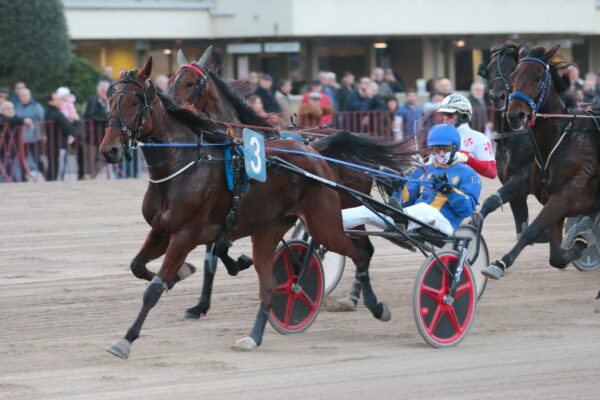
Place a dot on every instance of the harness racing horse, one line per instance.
(186, 207)
(566, 177)
(514, 149)
(197, 84)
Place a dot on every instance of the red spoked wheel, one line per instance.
(295, 304)
(444, 322)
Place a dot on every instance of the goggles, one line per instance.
(437, 149)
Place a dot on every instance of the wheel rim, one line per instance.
(295, 307)
(443, 323)
(483, 260)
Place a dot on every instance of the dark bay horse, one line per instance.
(188, 207)
(514, 149)
(566, 177)
(197, 83)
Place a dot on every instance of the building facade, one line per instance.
(297, 38)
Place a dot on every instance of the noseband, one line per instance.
(133, 131)
(542, 94)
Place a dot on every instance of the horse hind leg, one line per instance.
(221, 249)
(324, 223)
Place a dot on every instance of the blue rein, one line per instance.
(542, 93)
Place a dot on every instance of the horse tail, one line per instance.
(369, 151)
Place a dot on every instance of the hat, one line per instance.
(316, 82)
(266, 77)
(314, 95)
(63, 91)
(4, 90)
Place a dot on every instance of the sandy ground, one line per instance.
(66, 293)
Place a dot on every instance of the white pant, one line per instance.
(425, 213)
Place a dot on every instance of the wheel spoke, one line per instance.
(431, 292)
(462, 289)
(454, 320)
(435, 319)
(289, 308)
(282, 289)
(303, 297)
(444, 288)
(288, 266)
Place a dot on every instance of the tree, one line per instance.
(35, 48)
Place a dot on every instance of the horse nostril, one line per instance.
(521, 115)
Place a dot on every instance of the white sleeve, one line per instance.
(483, 149)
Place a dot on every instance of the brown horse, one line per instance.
(514, 149)
(198, 84)
(189, 205)
(566, 177)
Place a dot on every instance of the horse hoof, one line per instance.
(185, 271)
(597, 308)
(342, 305)
(120, 348)
(194, 313)
(493, 272)
(386, 315)
(245, 344)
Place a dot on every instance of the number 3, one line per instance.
(255, 144)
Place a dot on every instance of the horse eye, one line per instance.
(190, 84)
(135, 103)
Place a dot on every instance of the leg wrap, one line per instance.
(355, 291)
(368, 295)
(259, 324)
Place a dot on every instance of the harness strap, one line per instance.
(173, 175)
(506, 135)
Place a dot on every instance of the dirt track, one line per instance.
(66, 293)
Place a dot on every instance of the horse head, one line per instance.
(531, 84)
(130, 102)
(504, 59)
(192, 78)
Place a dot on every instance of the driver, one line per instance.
(443, 204)
(475, 148)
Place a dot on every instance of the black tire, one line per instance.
(590, 258)
(294, 309)
(441, 324)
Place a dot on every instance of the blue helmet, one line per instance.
(443, 135)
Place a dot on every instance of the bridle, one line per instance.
(199, 87)
(543, 91)
(146, 95)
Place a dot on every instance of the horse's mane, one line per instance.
(246, 114)
(373, 152)
(188, 117)
(509, 47)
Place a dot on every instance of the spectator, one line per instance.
(574, 78)
(19, 86)
(589, 89)
(10, 169)
(58, 139)
(383, 89)
(408, 115)
(255, 102)
(316, 110)
(253, 78)
(390, 78)
(388, 122)
(266, 96)
(431, 117)
(96, 114)
(282, 96)
(3, 95)
(107, 75)
(30, 109)
(364, 97)
(162, 84)
(444, 86)
(346, 87)
(328, 86)
(477, 99)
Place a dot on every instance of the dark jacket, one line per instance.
(95, 109)
(61, 128)
(355, 102)
(269, 103)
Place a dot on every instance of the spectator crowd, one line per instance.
(53, 128)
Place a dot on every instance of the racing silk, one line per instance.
(457, 205)
(479, 149)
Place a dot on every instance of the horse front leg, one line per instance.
(154, 246)
(553, 211)
(558, 257)
(177, 250)
(263, 251)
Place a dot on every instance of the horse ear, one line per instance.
(203, 61)
(146, 70)
(523, 51)
(122, 74)
(549, 54)
(181, 60)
